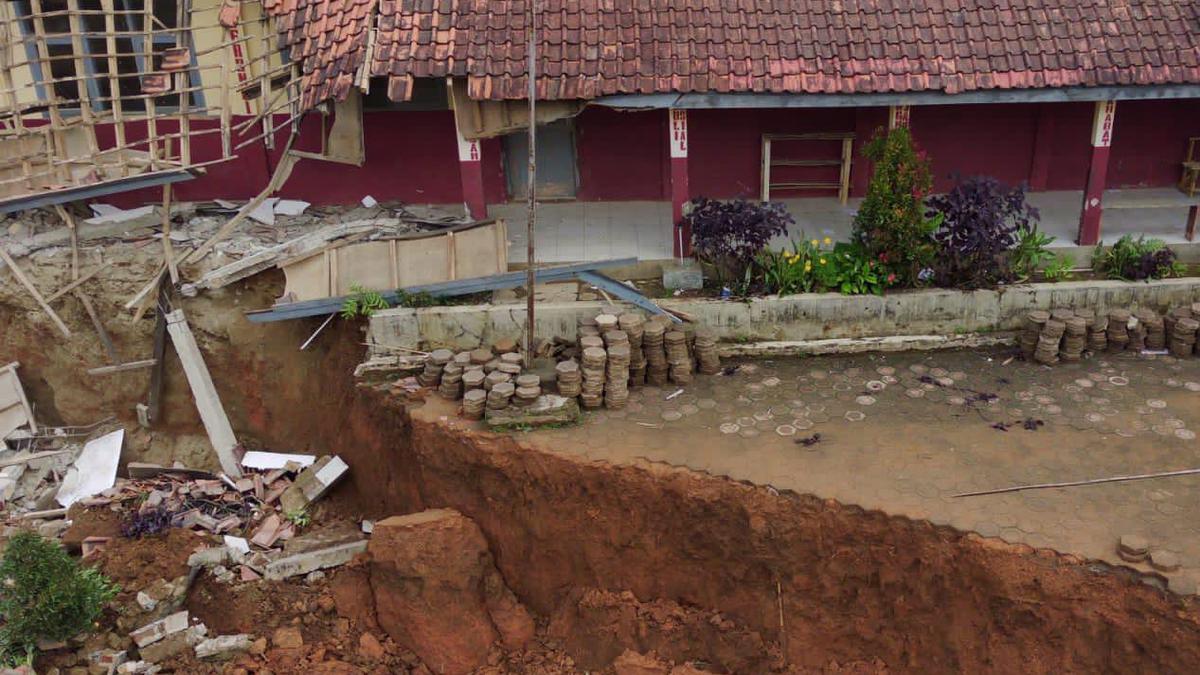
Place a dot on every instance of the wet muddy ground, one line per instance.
(905, 433)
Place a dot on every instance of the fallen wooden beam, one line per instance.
(33, 291)
(208, 402)
(76, 283)
(1075, 483)
(122, 367)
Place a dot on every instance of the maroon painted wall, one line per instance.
(412, 156)
(621, 155)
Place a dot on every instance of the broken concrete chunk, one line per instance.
(211, 557)
(174, 644)
(313, 483)
(153, 632)
(547, 410)
(137, 668)
(224, 647)
(146, 602)
(310, 561)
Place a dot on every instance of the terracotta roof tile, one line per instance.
(593, 48)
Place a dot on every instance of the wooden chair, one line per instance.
(1191, 169)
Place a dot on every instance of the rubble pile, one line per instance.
(611, 354)
(1066, 335)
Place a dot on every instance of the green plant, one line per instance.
(891, 225)
(362, 302)
(787, 272)
(419, 299)
(44, 594)
(727, 236)
(848, 269)
(300, 517)
(1059, 269)
(1030, 252)
(1134, 259)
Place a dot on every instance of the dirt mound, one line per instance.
(437, 591)
(596, 626)
(137, 563)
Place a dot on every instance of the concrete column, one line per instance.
(1093, 192)
(678, 141)
(1039, 165)
(470, 169)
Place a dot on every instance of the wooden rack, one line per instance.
(769, 160)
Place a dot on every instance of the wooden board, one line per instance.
(15, 411)
(456, 253)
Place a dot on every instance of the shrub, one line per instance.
(1135, 259)
(728, 235)
(1030, 253)
(140, 523)
(980, 221)
(891, 224)
(44, 594)
(1059, 268)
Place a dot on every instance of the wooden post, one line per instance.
(678, 140)
(1093, 191)
(168, 250)
(114, 81)
(531, 187)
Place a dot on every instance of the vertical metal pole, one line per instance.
(531, 184)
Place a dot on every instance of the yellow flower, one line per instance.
(828, 241)
(822, 261)
(808, 266)
(815, 243)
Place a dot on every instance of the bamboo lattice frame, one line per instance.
(73, 79)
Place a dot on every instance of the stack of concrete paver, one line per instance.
(1065, 335)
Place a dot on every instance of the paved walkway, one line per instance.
(573, 231)
(905, 433)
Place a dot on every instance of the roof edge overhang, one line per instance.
(1043, 95)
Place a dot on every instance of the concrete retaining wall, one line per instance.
(811, 316)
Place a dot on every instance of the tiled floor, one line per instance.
(573, 231)
(904, 433)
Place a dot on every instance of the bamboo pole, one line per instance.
(33, 292)
(531, 183)
(168, 250)
(114, 78)
(147, 66)
(56, 118)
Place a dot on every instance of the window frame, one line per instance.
(24, 10)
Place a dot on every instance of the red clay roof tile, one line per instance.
(595, 48)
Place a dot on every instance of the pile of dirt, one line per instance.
(134, 564)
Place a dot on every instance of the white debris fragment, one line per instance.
(369, 202)
(291, 207)
(257, 459)
(265, 212)
(95, 471)
(106, 214)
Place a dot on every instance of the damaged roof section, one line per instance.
(597, 48)
(105, 96)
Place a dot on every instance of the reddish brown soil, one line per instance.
(137, 563)
(94, 522)
(860, 591)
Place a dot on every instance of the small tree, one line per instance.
(44, 594)
(728, 235)
(890, 224)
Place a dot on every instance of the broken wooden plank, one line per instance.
(14, 461)
(109, 349)
(158, 375)
(33, 291)
(76, 283)
(15, 410)
(122, 367)
(208, 402)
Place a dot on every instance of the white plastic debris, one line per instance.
(265, 212)
(290, 207)
(95, 471)
(257, 459)
(369, 202)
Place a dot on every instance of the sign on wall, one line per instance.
(679, 133)
(1102, 127)
(468, 151)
